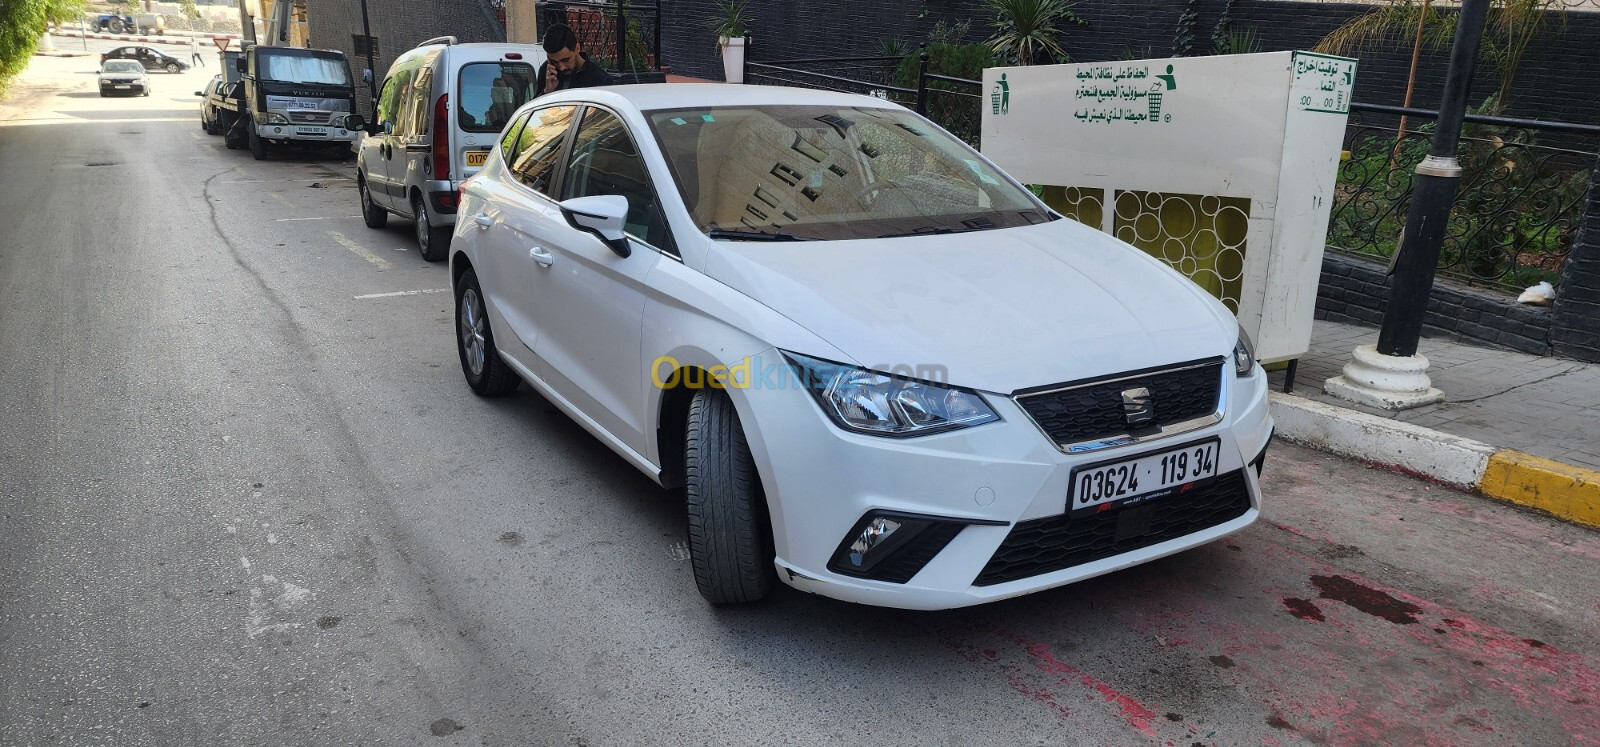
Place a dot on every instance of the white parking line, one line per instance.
(325, 217)
(359, 250)
(402, 293)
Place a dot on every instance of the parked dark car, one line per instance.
(152, 59)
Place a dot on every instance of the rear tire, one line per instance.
(486, 373)
(374, 216)
(729, 535)
(433, 243)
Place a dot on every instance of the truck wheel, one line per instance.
(376, 217)
(729, 545)
(117, 26)
(258, 147)
(433, 243)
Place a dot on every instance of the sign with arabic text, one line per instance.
(1322, 83)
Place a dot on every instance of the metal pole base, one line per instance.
(1384, 381)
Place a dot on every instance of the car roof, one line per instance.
(648, 96)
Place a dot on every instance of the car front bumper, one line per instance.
(821, 482)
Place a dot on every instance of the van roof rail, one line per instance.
(446, 40)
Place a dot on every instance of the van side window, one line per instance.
(538, 150)
(422, 112)
(605, 161)
(386, 101)
(402, 98)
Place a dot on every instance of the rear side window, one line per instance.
(537, 152)
(508, 141)
(491, 92)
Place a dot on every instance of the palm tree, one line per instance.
(1512, 26)
(1026, 30)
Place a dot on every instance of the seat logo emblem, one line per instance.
(1137, 407)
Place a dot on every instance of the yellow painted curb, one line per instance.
(1571, 493)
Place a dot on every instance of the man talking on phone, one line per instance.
(566, 66)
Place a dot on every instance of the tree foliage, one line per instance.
(1512, 26)
(1026, 31)
(22, 22)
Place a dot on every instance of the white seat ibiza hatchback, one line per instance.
(878, 367)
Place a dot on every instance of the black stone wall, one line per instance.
(1355, 290)
(1575, 324)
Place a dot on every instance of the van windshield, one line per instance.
(303, 69)
(491, 92)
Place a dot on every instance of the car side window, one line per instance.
(538, 148)
(508, 140)
(606, 161)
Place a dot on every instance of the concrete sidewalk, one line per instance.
(1515, 426)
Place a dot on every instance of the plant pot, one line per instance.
(733, 59)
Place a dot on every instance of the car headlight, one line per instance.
(864, 401)
(1244, 354)
(275, 118)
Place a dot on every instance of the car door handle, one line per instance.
(482, 220)
(542, 256)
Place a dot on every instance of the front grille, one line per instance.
(1089, 411)
(309, 117)
(1053, 543)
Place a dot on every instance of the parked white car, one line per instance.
(881, 370)
(125, 77)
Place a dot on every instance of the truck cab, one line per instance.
(294, 97)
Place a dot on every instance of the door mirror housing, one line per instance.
(200, 93)
(240, 65)
(355, 122)
(602, 215)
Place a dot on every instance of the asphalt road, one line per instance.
(246, 497)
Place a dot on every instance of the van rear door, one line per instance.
(488, 93)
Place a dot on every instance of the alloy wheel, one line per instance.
(470, 325)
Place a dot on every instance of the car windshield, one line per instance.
(491, 92)
(123, 66)
(816, 172)
(303, 69)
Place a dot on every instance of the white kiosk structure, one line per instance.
(1224, 167)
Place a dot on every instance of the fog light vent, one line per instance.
(892, 546)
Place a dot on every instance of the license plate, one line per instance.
(477, 158)
(313, 130)
(1142, 478)
(124, 86)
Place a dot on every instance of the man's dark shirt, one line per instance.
(589, 76)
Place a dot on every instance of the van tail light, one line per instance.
(441, 137)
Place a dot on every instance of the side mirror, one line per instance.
(200, 93)
(240, 65)
(355, 122)
(601, 215)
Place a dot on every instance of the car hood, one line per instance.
(996, 310)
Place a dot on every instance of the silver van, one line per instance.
(440, 110)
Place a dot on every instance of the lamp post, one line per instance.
(1390, 375)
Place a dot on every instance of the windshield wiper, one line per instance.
(719, 233)
(926, 232)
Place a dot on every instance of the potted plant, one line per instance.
(729, 25)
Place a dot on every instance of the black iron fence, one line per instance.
(951, 102)
(1515, 217)
(622, 37)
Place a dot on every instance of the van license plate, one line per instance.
(477, 158)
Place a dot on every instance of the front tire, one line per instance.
(486, 373)
(374, 216)
(433, 243)
(258, 147)
(172, 67)
(729, 536)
